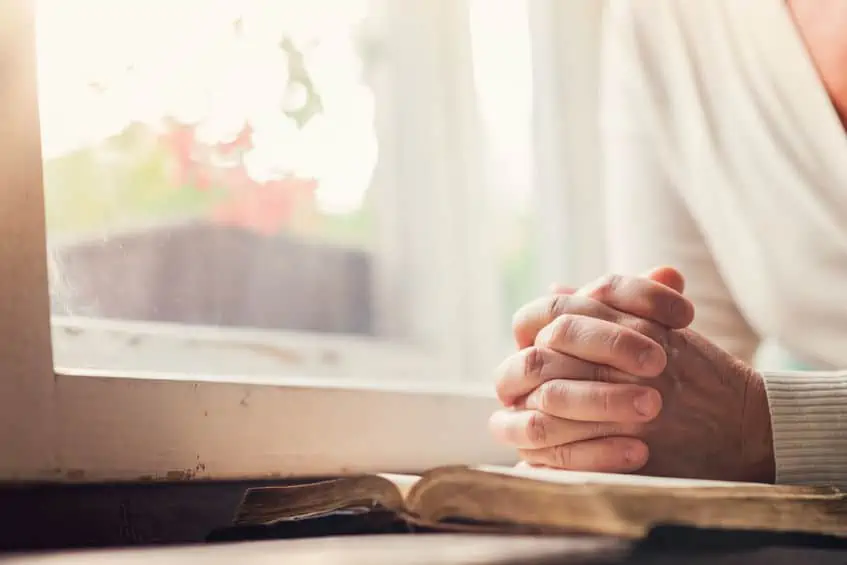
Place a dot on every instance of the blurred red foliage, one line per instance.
(264, 207)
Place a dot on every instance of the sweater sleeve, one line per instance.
(809, 421)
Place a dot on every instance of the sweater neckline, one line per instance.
(776, 30)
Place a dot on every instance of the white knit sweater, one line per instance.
(724, 156)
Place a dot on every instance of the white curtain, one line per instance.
(568, 169)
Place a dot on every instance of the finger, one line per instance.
(644, 298)
(658, 303)
(606, 455)
(605, 343)
(556, 288)
(667, 276)
(532, 317)
(596, 402)
(523, 371)
(532, 429)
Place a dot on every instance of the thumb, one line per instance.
(667, 276)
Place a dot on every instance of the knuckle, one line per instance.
(607, 286)
(617, 340)
(558, 305)
(537, 429)
(640, 325)
(666, 306)
(533, 364)
(601, 400)
(647, 328)
(624, 345)
(565, 329)
(551, 394)
(562, 456)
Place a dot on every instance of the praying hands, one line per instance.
(609, 378)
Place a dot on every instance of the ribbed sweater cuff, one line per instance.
(809, 420)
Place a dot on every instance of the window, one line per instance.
(251, 170)
(282, 238)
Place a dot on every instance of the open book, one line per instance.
(548, 501)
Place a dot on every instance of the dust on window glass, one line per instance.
(209, 162)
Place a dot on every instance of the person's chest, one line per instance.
(760, 158)
(822, 25)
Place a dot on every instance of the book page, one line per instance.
(354, 494)
(404, 483)
(620, 505)
(580, 478)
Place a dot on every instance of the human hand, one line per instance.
(570, 393)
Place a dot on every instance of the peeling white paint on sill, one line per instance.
(115, 345)
(446, 387)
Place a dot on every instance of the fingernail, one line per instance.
(634, 453)
(675, 309)
(647, 358)
(647, 403)
(679, 312)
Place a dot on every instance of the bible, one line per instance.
(540, 501)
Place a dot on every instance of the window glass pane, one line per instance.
(503, 75)
(213, 165)
(209, 162)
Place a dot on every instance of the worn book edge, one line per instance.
(506, 499)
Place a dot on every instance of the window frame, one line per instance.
(86, 425)
(435, 270)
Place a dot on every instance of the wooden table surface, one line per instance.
(422, 549)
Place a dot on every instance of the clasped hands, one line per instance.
(608, 378)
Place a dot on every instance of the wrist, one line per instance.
(756, 434)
